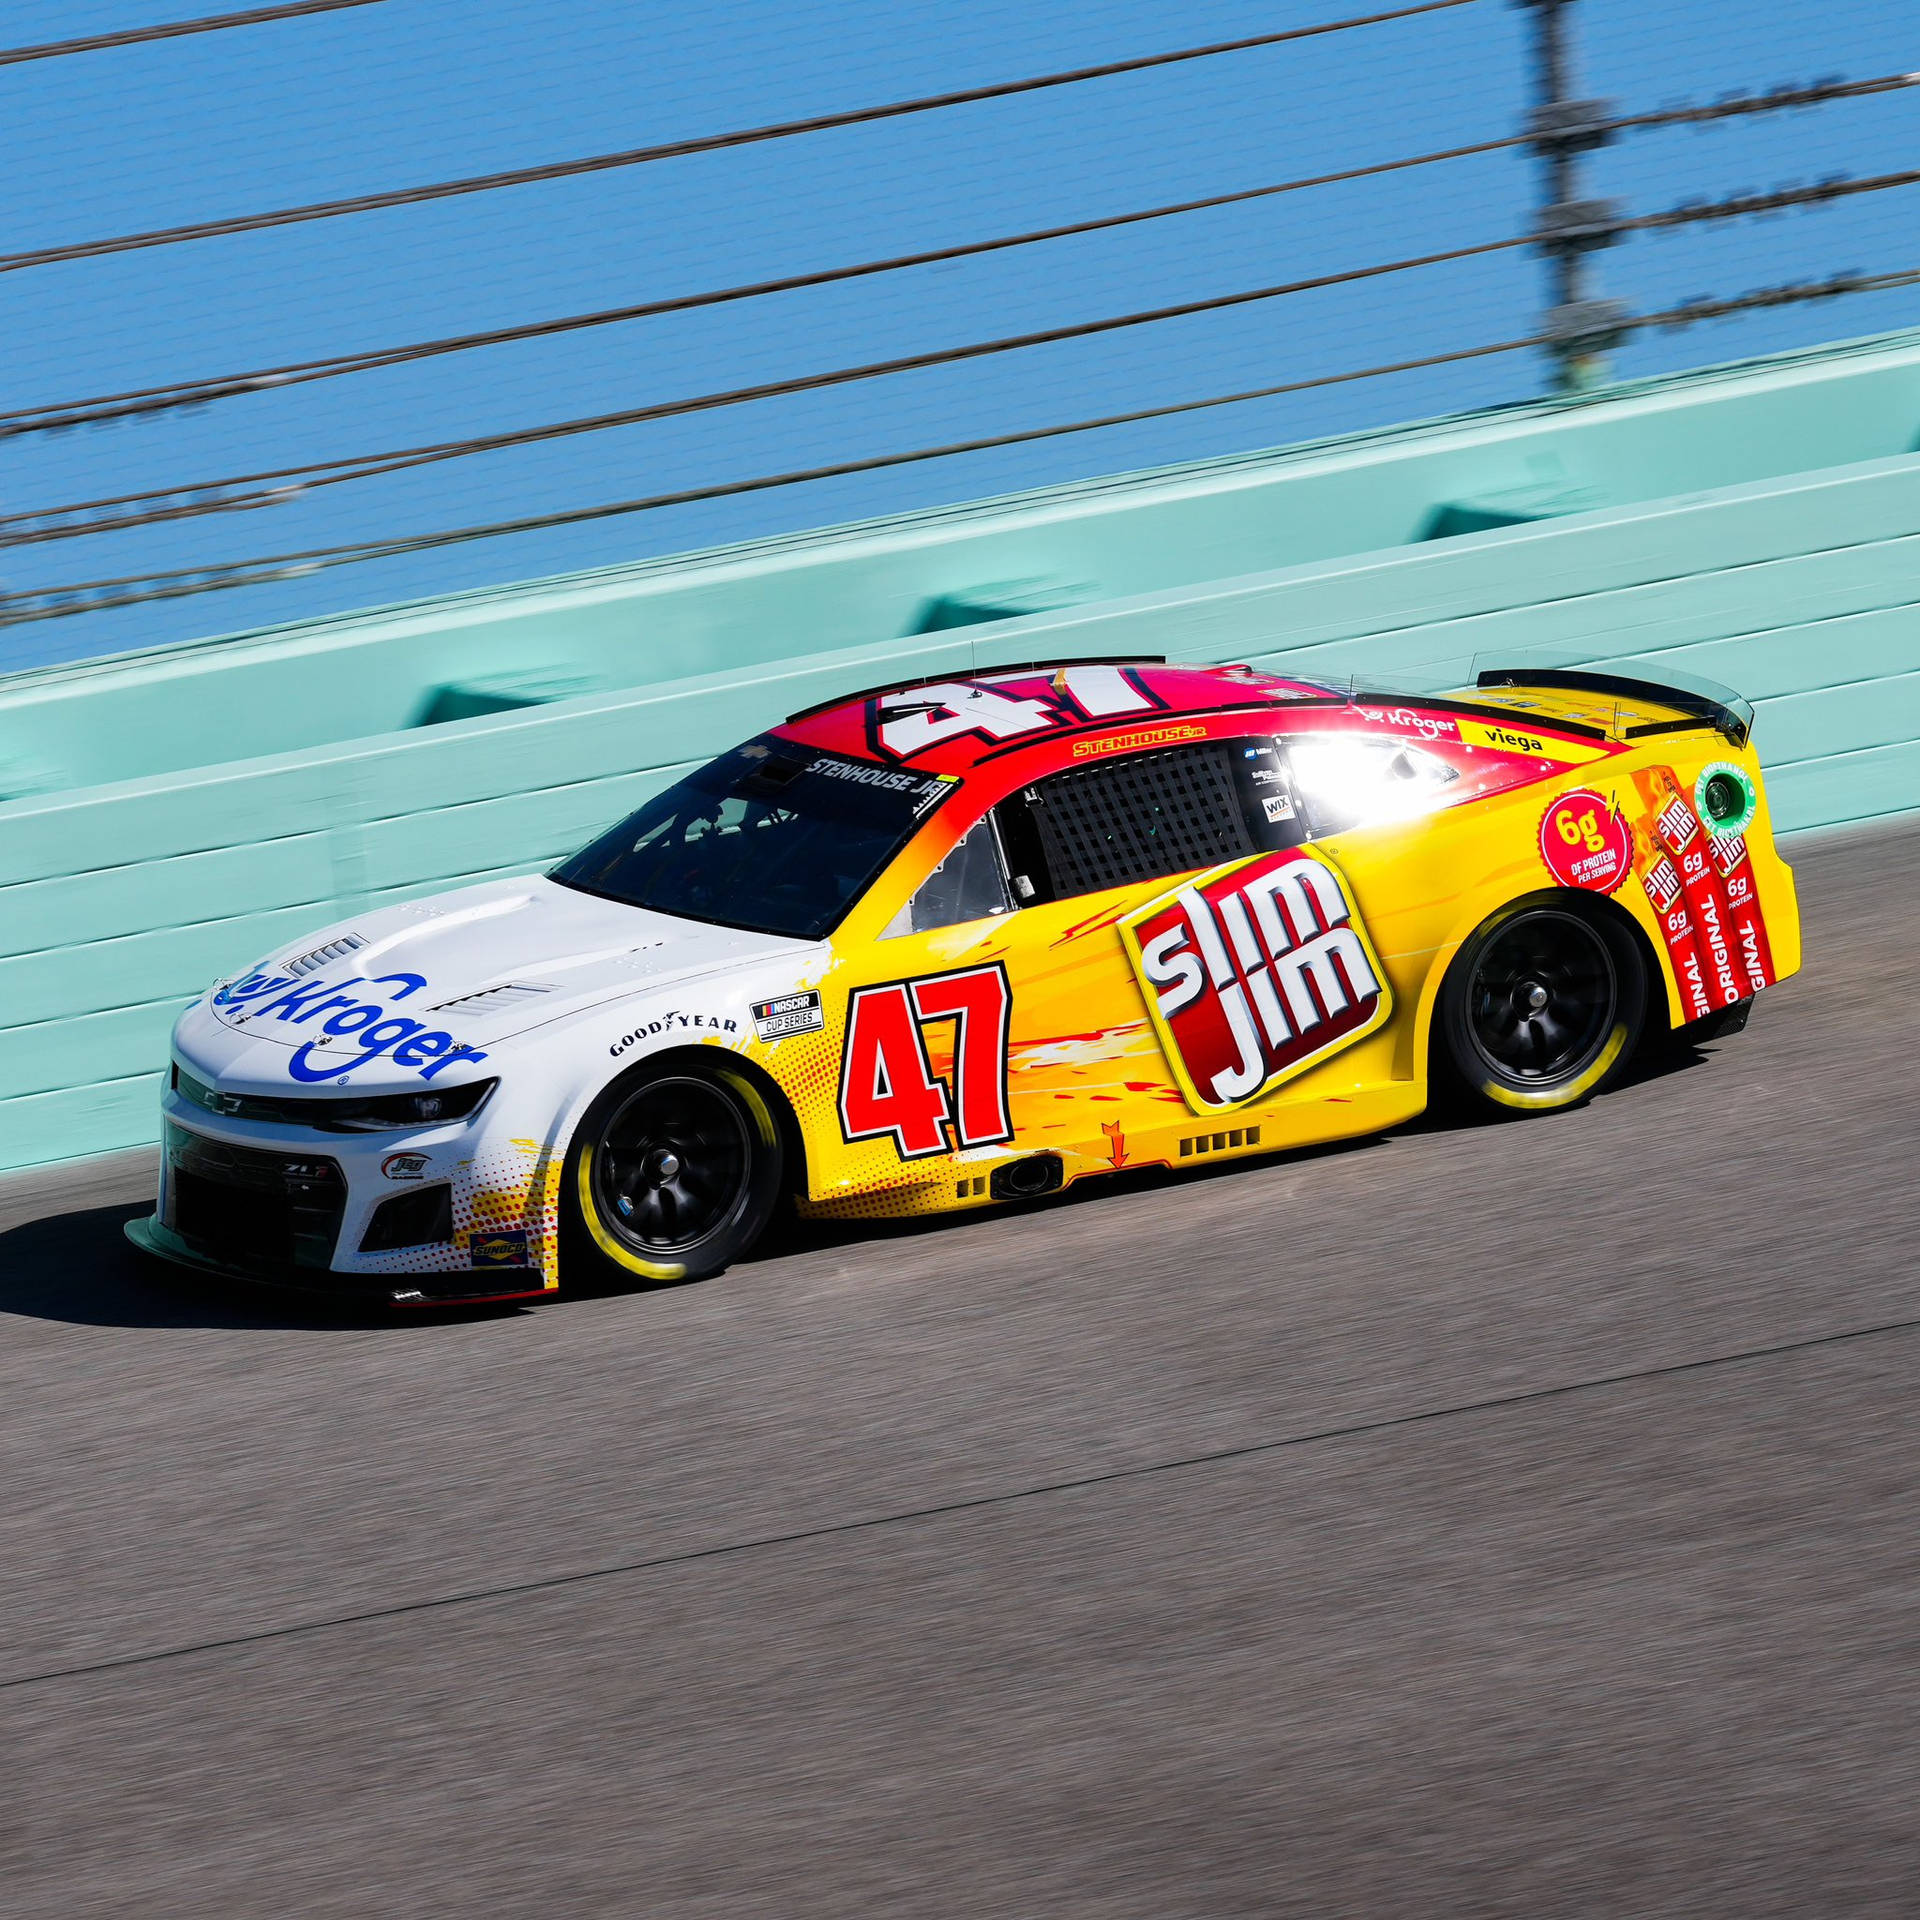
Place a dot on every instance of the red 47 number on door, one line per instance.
(887, 1082)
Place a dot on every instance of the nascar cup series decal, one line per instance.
(367, 1024)
(791, 1013)
(1255, 972)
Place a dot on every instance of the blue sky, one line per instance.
(417, 90)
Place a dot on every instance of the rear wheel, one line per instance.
(1541, 1008)
(673, 1175)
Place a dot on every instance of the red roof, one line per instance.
(950, 725)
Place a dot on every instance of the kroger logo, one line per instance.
(370, 1025)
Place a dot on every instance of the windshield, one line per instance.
(772, 837)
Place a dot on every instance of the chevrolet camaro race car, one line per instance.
(960, 943)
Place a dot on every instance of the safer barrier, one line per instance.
(1759, 524)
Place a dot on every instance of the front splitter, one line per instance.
(163, 1244)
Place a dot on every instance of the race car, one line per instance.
(969, 941)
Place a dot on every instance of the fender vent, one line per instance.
(322, 956)
(491, 999)
(1220, 1142)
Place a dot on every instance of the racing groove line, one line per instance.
(1352, 1430)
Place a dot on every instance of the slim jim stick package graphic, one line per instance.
(1702, 892)
(1753, 954)
(1661, 878)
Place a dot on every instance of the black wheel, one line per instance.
(1540, 1007)
(674, 1173)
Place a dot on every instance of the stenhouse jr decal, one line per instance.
(1255, 972)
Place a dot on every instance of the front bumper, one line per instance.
(452, 1212)
(422, 1290)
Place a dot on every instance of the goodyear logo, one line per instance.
(502, 1247)
(1139, 737)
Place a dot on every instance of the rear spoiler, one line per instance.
(1718, 707)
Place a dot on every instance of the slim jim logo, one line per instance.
(1676, 825)
(1253, 973)
(1663, 885)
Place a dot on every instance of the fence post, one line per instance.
(1578, 326)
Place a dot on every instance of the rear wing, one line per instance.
(1641, 707)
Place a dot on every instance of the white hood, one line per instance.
(427, 988)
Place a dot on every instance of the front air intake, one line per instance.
(422, 1219)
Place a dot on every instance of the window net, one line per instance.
(1141, 818)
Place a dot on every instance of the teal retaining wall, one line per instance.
(1759, 524)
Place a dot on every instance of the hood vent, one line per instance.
(491, 999)
(323, 956)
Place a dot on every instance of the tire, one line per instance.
(1541, 1008)
(673, 1175)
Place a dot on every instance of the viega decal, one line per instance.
(499, 1247)
(1521, 740)
(368, 1024)
(672, 1022)
(1255, 972)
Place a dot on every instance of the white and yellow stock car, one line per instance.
(954, 944)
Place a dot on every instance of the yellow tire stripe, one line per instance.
(621, 1256)
(616, 1251)
(1548, 1100)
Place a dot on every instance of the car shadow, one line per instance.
(791, 1234)
(78, 1268)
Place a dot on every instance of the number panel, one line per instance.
(888, 1085)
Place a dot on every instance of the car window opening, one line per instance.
(769, 838)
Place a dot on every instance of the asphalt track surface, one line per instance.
(1516, 1519)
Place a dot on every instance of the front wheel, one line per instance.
(1541, 1007)
(673, 1175)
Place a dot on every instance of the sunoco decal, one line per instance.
(790, 1013)
(1255, 972)
(499, 1247)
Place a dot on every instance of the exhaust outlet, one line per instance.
(1029, 1178)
